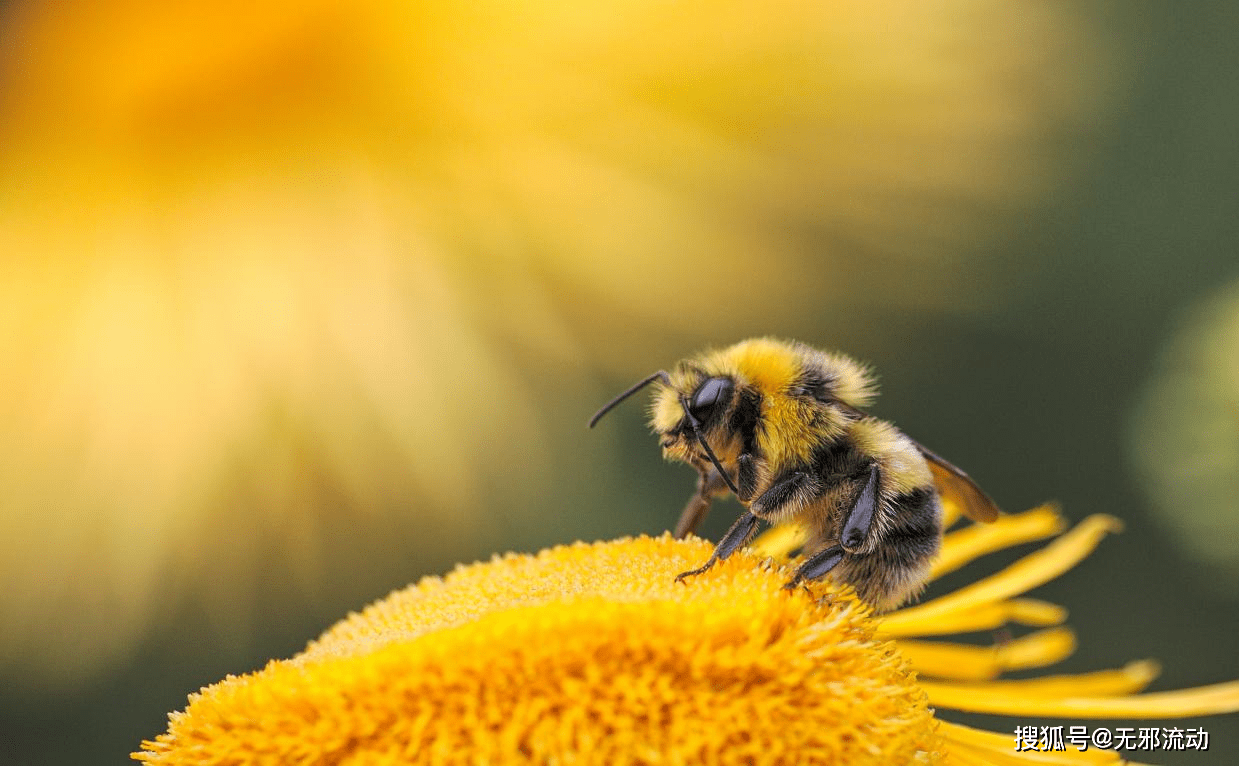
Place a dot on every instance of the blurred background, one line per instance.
(301, 303)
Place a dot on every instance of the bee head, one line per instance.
(685, 409)
(774, 400)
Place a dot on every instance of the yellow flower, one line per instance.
(593, 654)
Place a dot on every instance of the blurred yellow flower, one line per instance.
(593, 653)
(271, 270)
(1184, 436)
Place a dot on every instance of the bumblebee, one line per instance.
(782, 426)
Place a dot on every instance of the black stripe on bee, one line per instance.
(813, 384)
(915, 528)
(745, 417)
(839, 460)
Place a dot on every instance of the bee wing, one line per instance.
(957, 486)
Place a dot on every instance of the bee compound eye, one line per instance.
(707, 396)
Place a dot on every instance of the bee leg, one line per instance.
(860, 515)
(735, 538)
(816, 566)
(746, 477)
(792, 490)
(709, 485)
(855, 532)
(694, 511)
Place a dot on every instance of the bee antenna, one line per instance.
(710, 453)
(661, 375)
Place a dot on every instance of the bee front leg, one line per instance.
(791, 492)
(735, 539)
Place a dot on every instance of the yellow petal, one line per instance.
(1181, 703)
(965, 545)
(1102, 683)
(1025, 574)
(951, 512)
(961, 661)
(967, 745)
(1023, 611)
(779, 541)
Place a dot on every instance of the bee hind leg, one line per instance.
(817, 566)
(855, 532)
(860, 515)
(735, 538)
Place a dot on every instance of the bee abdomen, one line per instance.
(898, 565)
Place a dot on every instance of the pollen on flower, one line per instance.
(588, 651)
